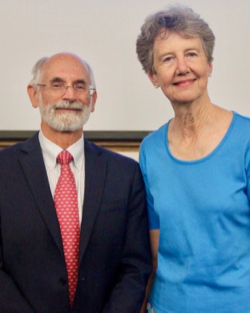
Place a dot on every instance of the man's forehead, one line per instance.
(65, 66)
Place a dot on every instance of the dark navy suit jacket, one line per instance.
(115, 259)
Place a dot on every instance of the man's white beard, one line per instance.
(66, 121)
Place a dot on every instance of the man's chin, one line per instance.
(67, 128)
(66, 122)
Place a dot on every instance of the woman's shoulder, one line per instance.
(241, 126)
(156, 136)
(241, 120)
(238, 134)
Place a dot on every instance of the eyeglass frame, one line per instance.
(65, 87)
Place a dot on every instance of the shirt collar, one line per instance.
(50, 151)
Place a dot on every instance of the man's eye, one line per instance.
(56, 85)
(79, 87)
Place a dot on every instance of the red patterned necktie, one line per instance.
(67, 212)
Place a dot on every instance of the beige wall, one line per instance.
(104, 32)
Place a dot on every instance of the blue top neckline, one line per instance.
(208, 156)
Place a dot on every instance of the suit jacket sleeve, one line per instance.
(11, 300)
(129, 291)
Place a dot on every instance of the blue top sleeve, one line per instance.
(153, 216)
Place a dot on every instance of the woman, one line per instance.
(196, 169)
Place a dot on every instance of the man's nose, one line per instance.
(69, 93)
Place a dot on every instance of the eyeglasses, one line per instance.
(59, 89)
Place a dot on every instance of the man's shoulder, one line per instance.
(9, 160)
(111, 156)
(11, 150)
(14, 150)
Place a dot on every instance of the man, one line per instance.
(73, 236)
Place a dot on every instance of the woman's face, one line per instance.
(181, 68)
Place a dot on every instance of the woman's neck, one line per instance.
(191, 118)
(196, 131)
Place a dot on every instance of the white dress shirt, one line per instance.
(50, 152)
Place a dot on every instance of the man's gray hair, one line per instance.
(37, 72)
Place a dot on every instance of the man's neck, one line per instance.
(62, 139)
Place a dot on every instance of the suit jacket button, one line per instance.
(63, 281)
(83, 279)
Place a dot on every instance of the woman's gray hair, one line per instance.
(37, 72)
(179, 19)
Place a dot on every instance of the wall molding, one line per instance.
(114, 140)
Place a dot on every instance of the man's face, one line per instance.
(71, 118)
(68, 109)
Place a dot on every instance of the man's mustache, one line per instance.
(68, 105)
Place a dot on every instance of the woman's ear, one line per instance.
(210, 68)
(153, 79)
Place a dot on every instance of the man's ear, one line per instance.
(153, 79)
(33, 95)
(93, 101)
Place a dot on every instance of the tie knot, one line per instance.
(64, 157)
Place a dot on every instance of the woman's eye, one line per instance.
(191, 54)
(168, 59)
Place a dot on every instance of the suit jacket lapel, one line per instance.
(34, 169)
(95, 168)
